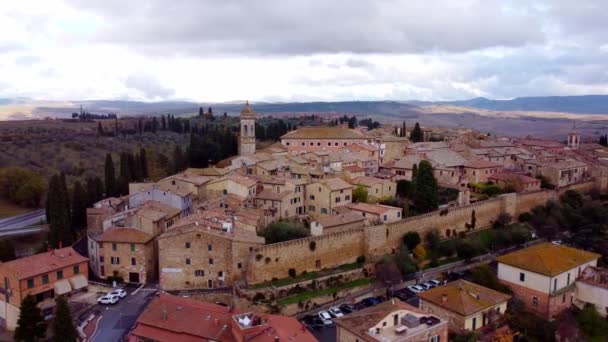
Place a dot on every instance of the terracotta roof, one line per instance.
(175, 319)
(464, 297)
(377, 209)
(368, 181)
(125, 235)
(513, 177)
(548, 258)
(324, 132)
(209, 171)
(353, 168)
(268, 194)
(336, 184)
(338, 220)
(242, 180)
(155, 210)
(50, 261)
(481, 164)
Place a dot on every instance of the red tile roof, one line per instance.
(42, 263)
(175, 319)
(481, 164)
(124, 235)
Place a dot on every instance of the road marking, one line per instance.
(137, 290)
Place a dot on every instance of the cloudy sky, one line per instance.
(301, 50)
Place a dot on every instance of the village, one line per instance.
(372, 234)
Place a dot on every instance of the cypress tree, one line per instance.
(143, 162)
(7, 251)
(58, 212)
(154, 124)
(63, 324)
(426, 196)
(200, 111)
(79, 208)
(133, 170)
(110, 176)
(125, 174)
(30, 325)
(163, 123)
(417, 134)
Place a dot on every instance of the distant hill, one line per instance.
(586, 104)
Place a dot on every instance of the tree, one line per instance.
(426, 197)
(411, 240)
(404, 261)
(465, 250)
(388, 272)
(473, 220)
(200, 111)
(545, 183)
(21, 186)
(79, 208)
(63, 324)
(417, 135)
(502, 220)
(179, 160)
(143, 163)
(360, 194)
(58, 207)
(110, 176)
(163, 123)
(485, 276)
(420, 253)
(7, 251)
(433, 239)
(572, 198)
(404, 188)
(30, 325)
(592, 324)
(284, 231)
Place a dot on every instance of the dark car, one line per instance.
(370, 301)
(347, 308)
(312, 321)
(404, 294)
(455, 275)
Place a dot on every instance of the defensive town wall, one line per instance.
(334, 249)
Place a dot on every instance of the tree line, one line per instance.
(417, 135)
(22, 186)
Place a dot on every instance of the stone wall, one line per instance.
(334, 249)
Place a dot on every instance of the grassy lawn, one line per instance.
(309, 276)
(8, 209)
(308, 295)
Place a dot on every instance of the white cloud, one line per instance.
(301, 50)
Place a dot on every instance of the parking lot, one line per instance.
(325, 331)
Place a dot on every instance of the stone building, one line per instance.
(391, 321)
(564, 173)
(542, 276)
(322, 138)
(377, 213)
(242, 186)
(337, 223)
(592, 288)
(479, 171)
(377, 188)
(281, 198)
(247, 133)
(128, 253)
(326, 196)
(46, 275)
(204, 254)
(467, 306)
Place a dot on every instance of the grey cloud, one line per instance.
(148, 86)
(313, 26)
(27, 60)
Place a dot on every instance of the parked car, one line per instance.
(326, 318)
(121, 293)
(428, 285)
(347, 308)
(313, 322)
(416, 288)
(370, 301)
(108, 299)
(335, 311)
(434, 282)
(404, 294)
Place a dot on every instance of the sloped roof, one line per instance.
(446, 157)
(336, 184)
(124, 235)
(42, 263)
(481, 164)
(341, 219)
(464, 297)
(548, 258)
(377, 209)
(268, 194)
(324, 132)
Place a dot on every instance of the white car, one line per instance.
(335, 311)
(326, 318)
(415, 288)
(119, 292)
(435, 282)
(108, 299)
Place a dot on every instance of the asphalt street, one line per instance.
(117, 319)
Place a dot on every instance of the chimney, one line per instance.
(444, 298)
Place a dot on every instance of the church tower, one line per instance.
(247, 136)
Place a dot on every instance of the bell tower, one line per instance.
(247, 134)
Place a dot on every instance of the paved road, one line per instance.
(117, 319)
(20, 221)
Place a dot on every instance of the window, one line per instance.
(220, 273)
(347, 197)
(498, 309)
(45, 279)
(564, 298)
(522, 277)
(210, 261)
(132, 247)
(323, 211)
(474, 323)
(76, 269)
(199, 273)
(338, 199)
(187, 244)
(436, 338)
(115, 260)
(535, 301)
(318, 144)
(395, 320)
(133, 262)
(312, 144)
(188, 261)
(568, 281)
(336, 144)
(209, 247)
(59, 275)
(30, 283)
(101, 259)
(210, 283)
(555, 284)
(385, 217)
(312, 197)
(113, 246)
(329, 144)
(399, 215)
(579, 271)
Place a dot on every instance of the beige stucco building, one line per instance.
(326, 196)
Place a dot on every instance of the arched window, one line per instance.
(245, 126)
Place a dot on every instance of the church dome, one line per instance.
(247, 112)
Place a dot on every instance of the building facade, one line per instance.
(247, 132)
